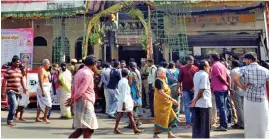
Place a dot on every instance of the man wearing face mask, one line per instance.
(65, 81)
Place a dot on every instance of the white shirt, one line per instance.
(105, 76)
(237, 90)
(201, 81)
(152, 71)
(125, 96)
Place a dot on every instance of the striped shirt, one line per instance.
(13, 78)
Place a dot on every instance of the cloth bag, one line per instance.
(24, 100)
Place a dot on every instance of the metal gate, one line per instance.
(169, 26)
(62, 24)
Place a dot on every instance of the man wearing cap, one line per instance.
(72, 67)
(83, 97)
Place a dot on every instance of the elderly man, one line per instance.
(83, 97)
(44, 102)
(256, 113)
(202, 102)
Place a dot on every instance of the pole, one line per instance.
(84, 35)
(171, 55)
(33, 24)
(104, 52)
(149, 47)
(266, 22)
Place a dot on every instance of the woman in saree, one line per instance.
(135, 84)
(165, 116)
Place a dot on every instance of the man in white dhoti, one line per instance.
(65, 81)
(256, 113)
(43, 92)
(125, 103)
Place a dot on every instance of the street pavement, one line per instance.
(59, 128)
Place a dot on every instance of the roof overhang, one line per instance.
(36, 9)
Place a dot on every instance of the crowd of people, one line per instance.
(237, 92)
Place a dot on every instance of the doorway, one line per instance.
(136, 52)
(79, 49)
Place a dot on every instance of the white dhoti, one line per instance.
(256, 117)
(84, 114)
(43, 102)
(64, 95)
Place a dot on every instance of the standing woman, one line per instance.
(164, 114)
(136, 91)
(125, 102)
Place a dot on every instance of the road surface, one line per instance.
(59, 128)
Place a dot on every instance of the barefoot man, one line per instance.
(43, 92)
(83, 97)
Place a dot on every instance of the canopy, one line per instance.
(36, 9)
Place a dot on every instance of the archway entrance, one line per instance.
(78, 48)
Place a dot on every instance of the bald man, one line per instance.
(43, 92)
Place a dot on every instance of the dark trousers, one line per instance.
(201, 123)
(144, 99)
(229, 110)
(151, 99)
(221, 103)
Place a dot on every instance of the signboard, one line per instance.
(17, 42)
(32, 82)
(172, 25)
(131, 39)
(220, 19)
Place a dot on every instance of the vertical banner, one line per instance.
(17, 42)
